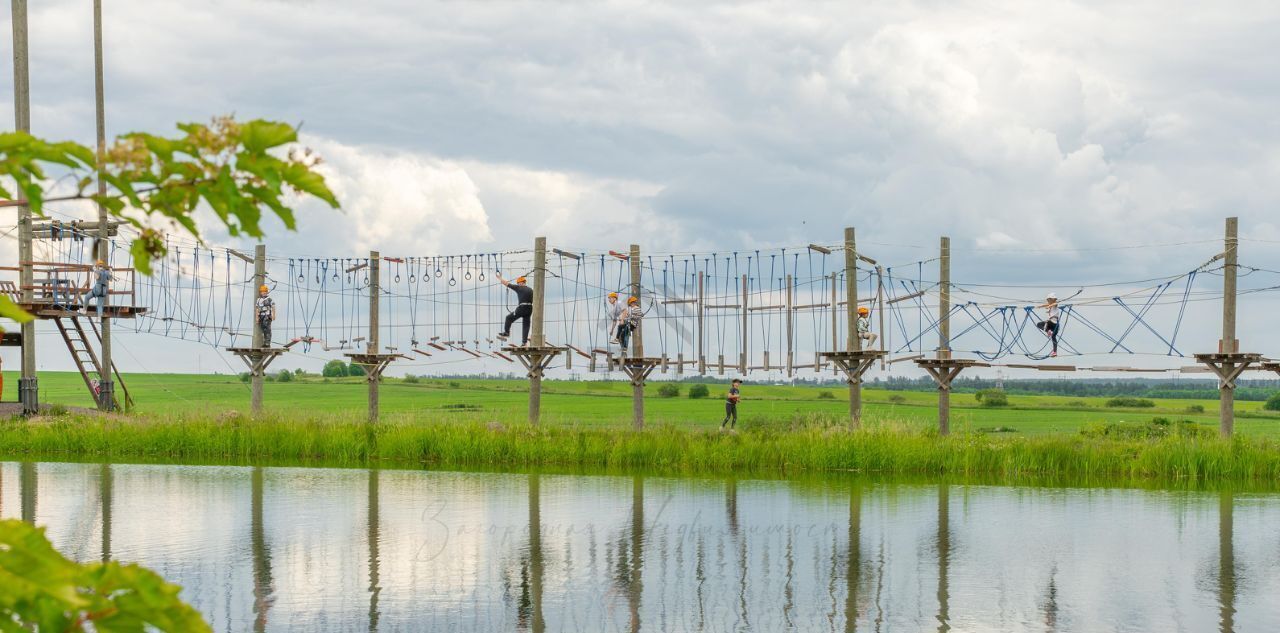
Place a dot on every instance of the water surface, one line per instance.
(284, 549)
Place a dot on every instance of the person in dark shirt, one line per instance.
(731, 405)
(524, 308)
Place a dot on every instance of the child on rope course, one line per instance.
(629, 322)
(864, 327)
(265, 310)
(524, 308)
(101, 277)
(1050, 325)
(731, 404)
(614, 312)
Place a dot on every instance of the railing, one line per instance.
(56, 284)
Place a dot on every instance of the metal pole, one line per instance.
(637, 343)
(375, 266)
(1229, 344)
(28, 387)
(106, 385)
(537, 339)
(790, 329)
(702, 311)
(852, 342)
(256, 377)
(944, 333)
(743, 363)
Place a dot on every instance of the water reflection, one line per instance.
(481, 552)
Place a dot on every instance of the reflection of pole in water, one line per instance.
(27, 490)
(105, 485)
(731, 508)
(853, 570)
(944, 553)
(261, 555)
(1051, 602)
(535, 552)
(372, 539)
(634, 587)
(1226, 562)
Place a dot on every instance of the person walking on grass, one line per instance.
(265, 309)
(523, 311)
(731, 405)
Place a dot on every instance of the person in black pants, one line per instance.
(731, 405)
(524, 308)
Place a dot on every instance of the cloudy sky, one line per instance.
(1031, 133)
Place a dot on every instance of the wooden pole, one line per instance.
(106, 386)
(1228, 344)
(637, 343)
(537, 339)
(256, 377)
(880, 313)
(835, 317)
(944, 332)
(852, 342)
(790, 329)
(746, 333)
(373, 377)
(702, 312)
(28, 387)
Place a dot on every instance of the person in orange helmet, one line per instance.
(524, 307)
(629, 322)
(864, 326)
(265, 310)
(613, 311)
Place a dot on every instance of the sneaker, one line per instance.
(502, 337)
(1053, 354)
(614, 341)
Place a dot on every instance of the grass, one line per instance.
(806, 445)
(592, 404)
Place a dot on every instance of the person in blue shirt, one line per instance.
(101, 278)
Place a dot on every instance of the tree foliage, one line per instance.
(40, 590)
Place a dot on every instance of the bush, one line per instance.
(284, 376)
(355, 370)
(334, 369)
(669, 390)
(1077, 404)
(699, 391)
(1157, 428)
(1137, 403)
(826, 395)
(1273, 403)
(992, 398)
(1195, 408)
(299, 372)
(245, 376)
(897, 398)
(410, 379)
(453, 384)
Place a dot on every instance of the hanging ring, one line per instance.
(482, 275)
(467, 276)
(452, 281)
(438, 273)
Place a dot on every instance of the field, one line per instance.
(608, 404)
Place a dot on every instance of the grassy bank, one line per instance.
(813, 446)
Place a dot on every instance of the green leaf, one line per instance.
(10, 310)
(303, 179)
(141, 256)
(259, 135)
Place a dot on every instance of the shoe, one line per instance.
(614, 341)
(1053, 354)
(502, 337)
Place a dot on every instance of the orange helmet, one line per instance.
(633, 300)
(613, 295)
(263, 288)
(864, 310)
(520, 279)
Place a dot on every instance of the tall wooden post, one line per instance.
(259, 280)
(702, 312)
(852, 342)
(28, 388)
(835, 317)
(944, 332)
(637, 342)
(790, 310)
(743, 363)
(880, 310)
(373, 377)
(537, 338)
(106, 386)
(1228, 344)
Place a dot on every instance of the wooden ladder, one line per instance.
(78, 343)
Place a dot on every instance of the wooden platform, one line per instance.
(950, 362)
(50, 310)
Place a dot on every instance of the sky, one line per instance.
(1044, 138)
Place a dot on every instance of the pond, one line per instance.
(281, 549)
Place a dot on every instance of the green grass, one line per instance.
(608, 404)
(807, 445)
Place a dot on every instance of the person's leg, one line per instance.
(101, 293)
(506, 326)
(728, 410)
(624, 336)
(1054, 337)
(733, 410)
(524, 327)
(266, 333)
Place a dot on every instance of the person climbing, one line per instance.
(101, 277)
(864, 326)
(629, 322)
(731, 404)
(524, 307)
(614, 312)
(265, 310)
(1050, 325)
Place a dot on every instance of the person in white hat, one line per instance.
(1050, 325)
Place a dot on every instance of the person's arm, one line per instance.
(501, 281)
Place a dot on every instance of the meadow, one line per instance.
(598, 404)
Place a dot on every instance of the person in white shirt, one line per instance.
(1050, 324)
